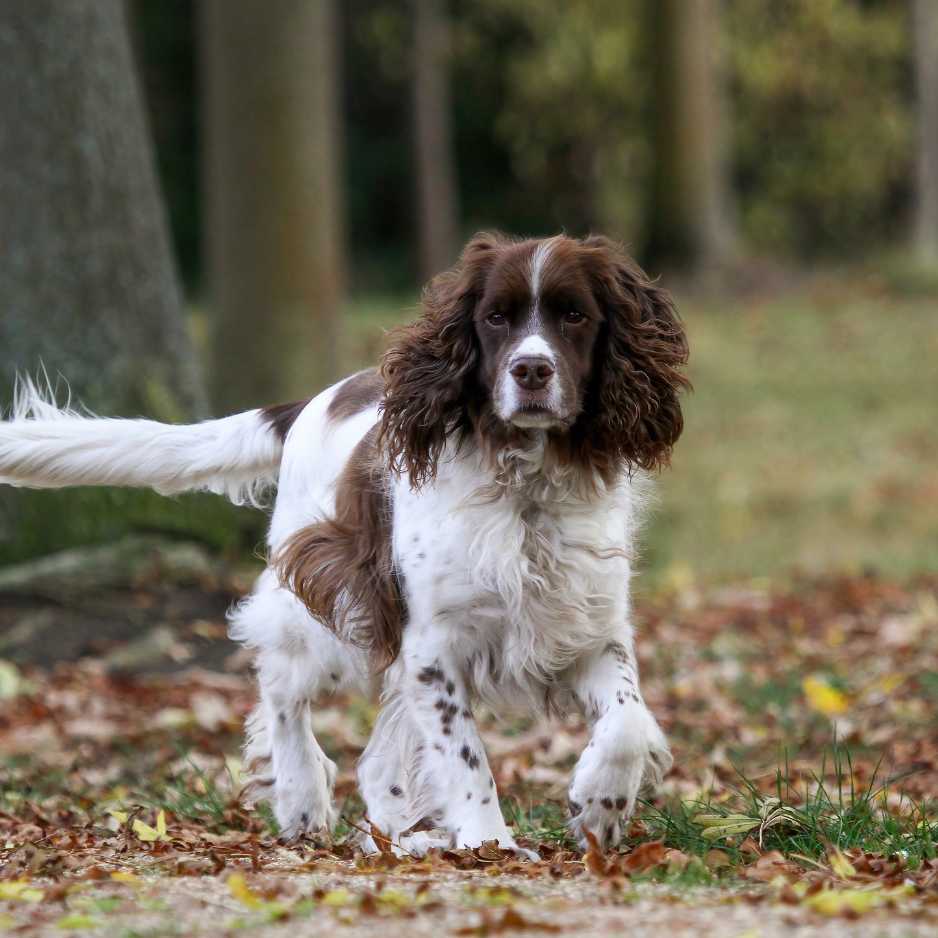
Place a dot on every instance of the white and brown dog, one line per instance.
(458, 523)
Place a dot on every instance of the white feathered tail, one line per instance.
(45, 446)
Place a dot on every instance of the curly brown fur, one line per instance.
(436, 375)
(429, 367)
(633, 415)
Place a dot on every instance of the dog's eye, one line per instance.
(495, 318)
(573, 316)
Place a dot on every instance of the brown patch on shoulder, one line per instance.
(358, 392)
(341, 568)
(281, 417)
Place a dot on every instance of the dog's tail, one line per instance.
(43, 445)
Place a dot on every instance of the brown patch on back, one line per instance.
(281, 417)
(341, 568)
(356, 394)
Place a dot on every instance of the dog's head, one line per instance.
(562, 336)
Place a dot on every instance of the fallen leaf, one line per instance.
(149, 834)
(20, 890)
(824, 698)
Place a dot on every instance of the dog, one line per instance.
(458, 525)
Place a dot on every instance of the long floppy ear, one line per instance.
(429, 363)
(636, 414)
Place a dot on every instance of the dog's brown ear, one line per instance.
(429, 364)
(636, 415)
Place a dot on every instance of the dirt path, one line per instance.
(446, 904)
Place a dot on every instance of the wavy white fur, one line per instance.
(46, 446)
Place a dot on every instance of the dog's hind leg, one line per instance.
(298, 661)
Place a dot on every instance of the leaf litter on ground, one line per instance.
(806, 772)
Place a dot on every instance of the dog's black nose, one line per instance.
(532, 373)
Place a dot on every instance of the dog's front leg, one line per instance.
(626, 746)
(455, 783)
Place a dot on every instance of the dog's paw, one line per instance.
(306, 808)
(608, 779)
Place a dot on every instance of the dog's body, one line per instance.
(459, 525)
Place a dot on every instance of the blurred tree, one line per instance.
(87, 282)
(821, 124)
(436, 188)
(925, 22)
(563, 86)
(164, 38)
(274, 228)
(689, 220)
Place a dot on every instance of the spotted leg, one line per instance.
(626, 746)
(451, 781)
(297, 662)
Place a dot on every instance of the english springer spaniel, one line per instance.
(457, 525)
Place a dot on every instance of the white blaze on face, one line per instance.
(538, 260)
(534, 344)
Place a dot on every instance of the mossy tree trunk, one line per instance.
(925, 40)
(433, 146)
(88, 286)
(275, 242)
(690, 216)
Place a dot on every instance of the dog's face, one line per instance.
(559, 335)
(536, 322)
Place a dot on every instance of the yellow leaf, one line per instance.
(856, 901)
(76, 922)
(119, 816)
(717, 826)
(394, 899)
(336, 898)
(125, 876)
(20, 890)
(239, 889)
(824, 698)
(841, 866)
(149, 834)
(11, 683)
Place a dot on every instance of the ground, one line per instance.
(787, 608)
(803, 793)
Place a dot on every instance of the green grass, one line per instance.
(805, 822)
(809, 440)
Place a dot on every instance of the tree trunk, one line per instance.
(436, 187)
(275, 240)
(690, 222)
(925, 19)
(87, 282)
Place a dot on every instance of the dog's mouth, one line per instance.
(535, 413)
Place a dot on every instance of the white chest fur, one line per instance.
(527, 576)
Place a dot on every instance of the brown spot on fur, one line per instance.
(341, 568)
(356, 394)
(606, 803)
(281, 417)
(469, 757)
(431, 674)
